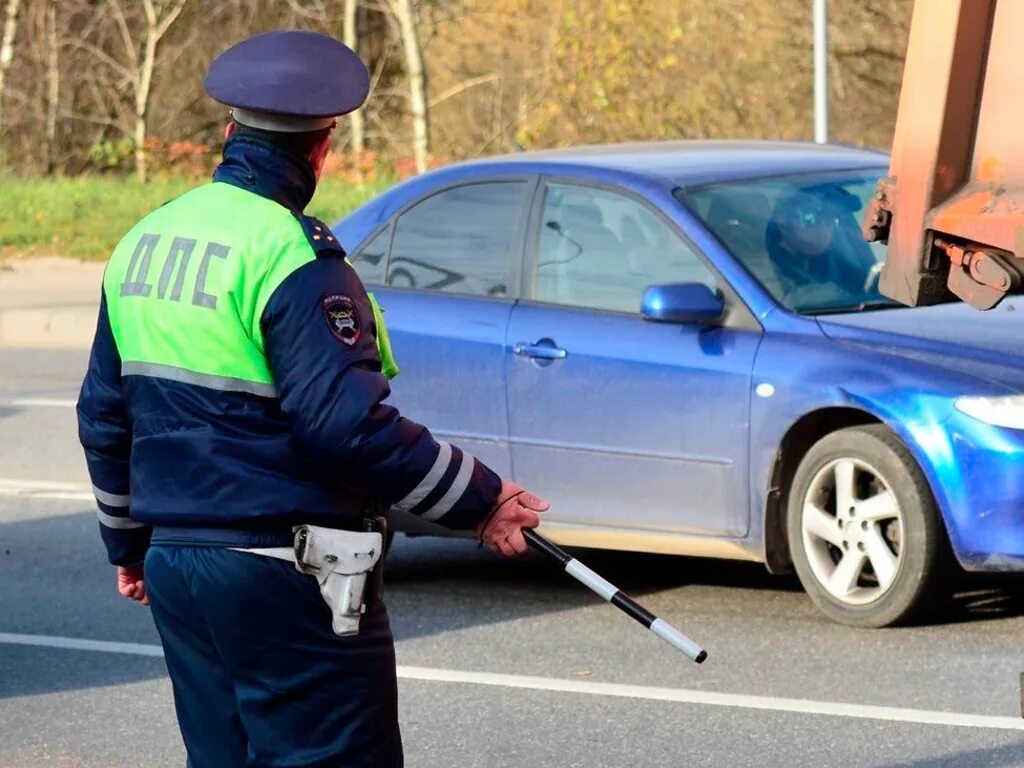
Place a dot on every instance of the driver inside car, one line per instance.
(816, 247)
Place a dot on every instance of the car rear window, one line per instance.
(460, 240)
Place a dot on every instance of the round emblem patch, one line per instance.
(342, 318)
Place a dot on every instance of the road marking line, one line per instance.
(592, 688)
(77, 644)
(45, 489)
(711, 698)
(43, 402)
(29, 485)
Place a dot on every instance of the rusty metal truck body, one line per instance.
(952, 208)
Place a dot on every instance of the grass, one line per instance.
(85, 217)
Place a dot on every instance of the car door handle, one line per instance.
(544, 349)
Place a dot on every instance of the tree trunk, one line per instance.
(142, 101)
(7, 54)
(156, 28)
(53, 85)
(403, 11)
(351, 39)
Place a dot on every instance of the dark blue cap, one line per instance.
(288, 80)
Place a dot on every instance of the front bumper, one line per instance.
(977, 474)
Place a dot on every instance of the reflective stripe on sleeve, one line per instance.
(118, 523)
(429, 481)
(455, 491)
(110, 499)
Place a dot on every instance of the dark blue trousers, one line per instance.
(259, 678)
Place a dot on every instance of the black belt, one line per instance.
(375, 583)
(272, 537)
(248, 537)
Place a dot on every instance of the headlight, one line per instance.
(1006, 411)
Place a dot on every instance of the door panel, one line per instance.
(451, 354)
(452, 262)
(639, 425)
(617, 420)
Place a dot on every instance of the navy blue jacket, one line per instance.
(177, 457)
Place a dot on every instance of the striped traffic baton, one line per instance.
(616, 596)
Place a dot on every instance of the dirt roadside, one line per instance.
(49, 302)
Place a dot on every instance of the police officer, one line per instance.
(236, 390)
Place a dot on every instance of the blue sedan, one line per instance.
(682, 345)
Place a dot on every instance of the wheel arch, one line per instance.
(801, 435)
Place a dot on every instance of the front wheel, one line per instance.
(864, 531)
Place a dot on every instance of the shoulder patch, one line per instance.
(342, 318)
(320, 237)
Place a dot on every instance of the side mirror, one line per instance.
(682, 303)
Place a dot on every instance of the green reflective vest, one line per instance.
(187, 286)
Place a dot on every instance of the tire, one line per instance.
(896, 510)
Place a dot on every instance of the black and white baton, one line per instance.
(616, 596)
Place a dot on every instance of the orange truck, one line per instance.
(951, 210)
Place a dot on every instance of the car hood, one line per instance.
(987, 345)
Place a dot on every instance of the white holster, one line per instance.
(341, 562)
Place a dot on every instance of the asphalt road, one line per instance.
(502, 663)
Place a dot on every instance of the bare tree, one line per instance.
(158, 19)
(416, 73)
(351, 36)
(88, 84)
(52, 83)
(7, 52)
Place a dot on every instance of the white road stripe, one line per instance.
(78, 644)
(45, 489)
(591, 688)
(61, 496)
(41, 485)
(43, 402)
(710, 698)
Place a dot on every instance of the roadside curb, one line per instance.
(70, 327)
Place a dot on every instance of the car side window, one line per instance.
(459, 241)
(601, 250)
(370, 260)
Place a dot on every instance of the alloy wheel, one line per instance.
(852, 529)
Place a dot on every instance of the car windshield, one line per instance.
(800, 237)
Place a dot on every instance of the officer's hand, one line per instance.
(131, 584)
(516, 509)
